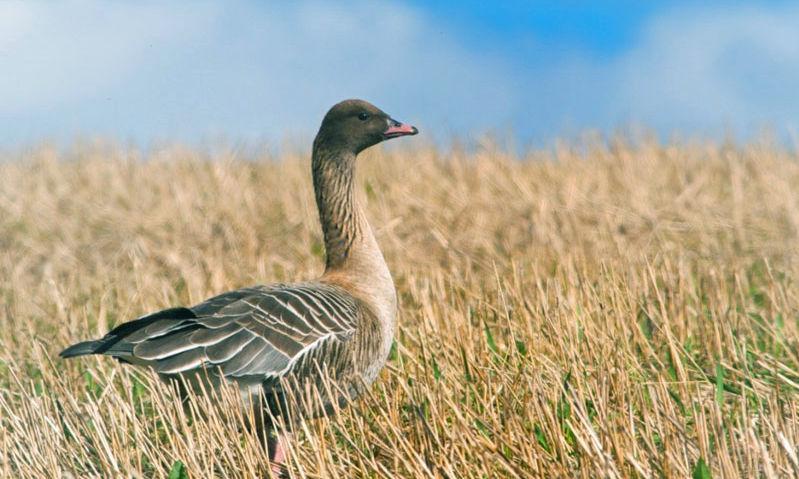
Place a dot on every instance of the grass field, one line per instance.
(608, 309)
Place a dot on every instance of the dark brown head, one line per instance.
(355, 125)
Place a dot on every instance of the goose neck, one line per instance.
(343, 223)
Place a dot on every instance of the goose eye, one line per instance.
(363, 116)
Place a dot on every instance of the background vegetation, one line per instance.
(607, 309)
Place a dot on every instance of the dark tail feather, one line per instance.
(82, 349)
(112, 343)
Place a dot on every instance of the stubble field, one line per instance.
(607, 309)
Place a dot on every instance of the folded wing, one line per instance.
(256, 333)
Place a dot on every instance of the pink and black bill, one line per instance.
(396, 129)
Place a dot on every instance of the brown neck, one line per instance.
(343, 223)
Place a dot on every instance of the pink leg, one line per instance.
(277, 456)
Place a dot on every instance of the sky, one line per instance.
(149, 71)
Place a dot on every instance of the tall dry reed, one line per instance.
(599, 310)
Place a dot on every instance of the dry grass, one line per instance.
(601, 311)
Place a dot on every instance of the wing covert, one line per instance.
(252, 332)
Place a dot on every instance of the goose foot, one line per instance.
(277, 455)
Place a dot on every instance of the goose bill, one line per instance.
(396, 129)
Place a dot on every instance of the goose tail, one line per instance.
(82, 349)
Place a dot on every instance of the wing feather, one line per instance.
(182, 362)
(246, 356)
(164, 346)
(209, 336)
(227, 348)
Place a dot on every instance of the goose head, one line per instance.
(355, 125)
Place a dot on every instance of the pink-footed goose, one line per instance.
(264, 338)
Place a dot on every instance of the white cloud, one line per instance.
(160, 70)
(60, 53)
(248, 69)
(714, 67)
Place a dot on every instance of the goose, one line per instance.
(271, 341)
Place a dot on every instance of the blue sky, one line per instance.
(266, 71)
